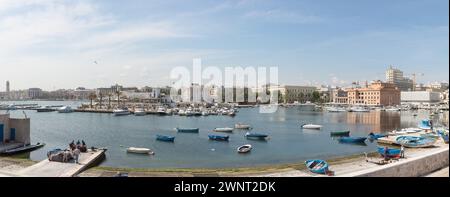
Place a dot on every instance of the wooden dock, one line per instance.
(48, 168)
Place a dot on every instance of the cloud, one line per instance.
(282, 16)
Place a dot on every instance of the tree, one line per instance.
(316, 96)
(109, 100)
(92, 97)
(100, 95)
(302, 97)
(118, 93)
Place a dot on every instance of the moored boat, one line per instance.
(352, 139)
(415, 142)
(242, 126)
(45, 109)
(225, 129)
(340, 133)
(389, 152)
(244, 148)
(311, 126)
(187, 130)
(121, 112)
(375, 136)
(140, 150)
(140, 112)
(65, 109)
(317, 166)
(165, 138)
(249, 135)
(218, 137)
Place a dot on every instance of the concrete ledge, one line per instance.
(413, 167)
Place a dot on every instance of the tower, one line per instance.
(7, 87)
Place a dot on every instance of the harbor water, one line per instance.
(287, 142)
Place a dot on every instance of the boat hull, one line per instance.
(187, 130)
(389, 153)
(340, 133)
(415, 142)
(165, 138)
(317, 166)
(218, 137)
(352, 139)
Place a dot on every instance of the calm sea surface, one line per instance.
(287, 142)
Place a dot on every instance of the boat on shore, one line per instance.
(425, 124)
(121, 112)
(311, 126)
(140, 150)
(317, 166)
(391, 153)
(218, 137)
(406, 131)
(244, 148)
(65, 109)
(165, 138)
(356, 140)
(242, 126)
(225, 130)
(22, 149)
(258, 136)
(187, 130)
(340, 133)
(415, 142)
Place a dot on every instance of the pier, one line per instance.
(48, 168)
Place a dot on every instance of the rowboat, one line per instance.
(249, 135)
(227, 130)
(311, 126)
(242, 126)
(373, 136)
(340, 133)
(317, 166)
(22, 149)
(352, 139)
(165, 138)
(390, 152)
(140, 150)
(187, 130)
(415, 142)
(425, 124)
(244, 148)
(218, 137)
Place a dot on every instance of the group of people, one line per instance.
(74, 151)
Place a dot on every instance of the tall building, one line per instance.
(7, 87)
(395, 76)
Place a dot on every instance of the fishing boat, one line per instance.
(225, 129)
(390, 152)
(244, 148)
(340, 133)
(249, 135)
(65, 109)
(22, 149)
(187, 130)
(165, 138)
(415, 142)
(425, 124)
(352, 139)
(140, 150)
(242, 126)
(317, 166)
(140, 112)
(45, 109)
(121, 112)
(311, 126)
(375, 136)
(218, 137)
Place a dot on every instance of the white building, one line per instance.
(420, 97)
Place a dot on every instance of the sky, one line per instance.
(56, 44)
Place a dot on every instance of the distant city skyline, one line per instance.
(55, 44)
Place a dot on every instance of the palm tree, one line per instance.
(92, 96)
(100, 95)
(109, 100)
(118, 93)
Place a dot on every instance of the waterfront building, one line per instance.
(375, 94)
(83, 93)
(395, 76)
(420, 97)
(325, 93)
(14, 129)
(114, 89)
(339, 96)
(34, 93)
(291, 93)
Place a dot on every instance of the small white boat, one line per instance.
(311, 126)
(359, 109)
(244, 148)
(205, 113)
(336, 109)
(161, 111)
(65, 109)
(121, 112)
(140, 150)
(241, 126)
(393, 109)
(140, 112)
(226, 129)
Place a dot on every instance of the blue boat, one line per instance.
(165, 138)
(415, 142)
(355, 140)
(374, 136)
(425, 124)
(443, 136)
(188, 130)
(390, 152)
(256, 135)
(218, 137)
(317, 166)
